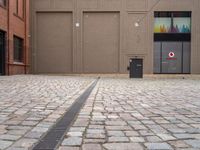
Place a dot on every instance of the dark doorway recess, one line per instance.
(2, 53)
(136, 68)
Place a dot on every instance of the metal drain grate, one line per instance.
(53, 138)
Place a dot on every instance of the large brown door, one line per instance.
(101, 42)
(54, 43)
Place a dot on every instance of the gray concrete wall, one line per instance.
(133, 41)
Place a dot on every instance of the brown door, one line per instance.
(101, 42)
(54, 43)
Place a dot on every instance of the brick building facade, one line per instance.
(14, 37)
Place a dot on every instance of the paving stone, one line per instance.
(94, 141)
(179, 144)
(166, 137)
(118, 139)
(16, 148)
(72, 141)
(123, 146)
(34, 135)
(158, 146)
(17, 132)
(193, 143)
(153, 139)
(131, 133)
(183, 136)
(96, 136)
(116, 123)
(137, 139)
(68, 148)
(25, 143)
(39, 129)
(91, 147)
(9, 137)
(95, 131)
(75, 134)
(5, 144)
(77, 129)
(115, 133)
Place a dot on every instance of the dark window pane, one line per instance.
(18, 49)
(3, 3)
(181, 14)
(162, 14)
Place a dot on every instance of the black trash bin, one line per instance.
(136, 68)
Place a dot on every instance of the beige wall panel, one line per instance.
(136, 36)
(136, 5)
(101, 42)
(171, 5)
(87, 3)
(63, 3)
(112, 4)
(196, 38)
(42, 4)
(54, 43)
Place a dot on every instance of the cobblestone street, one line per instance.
(120, 114)
(30, 105)
(138, 114)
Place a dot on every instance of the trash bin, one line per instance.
(136, 68)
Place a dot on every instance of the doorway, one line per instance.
(172, 57)
(136, 68)
(2, 53)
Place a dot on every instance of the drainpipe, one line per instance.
(25, 38)
(8, 37)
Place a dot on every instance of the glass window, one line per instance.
(162, 25)
(181, 25)
(172, 22)
(18, 49)
(3, 3)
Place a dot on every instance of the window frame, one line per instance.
(18, 47)
(16, 13)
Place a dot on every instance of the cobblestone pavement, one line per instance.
(123, 114)
(30, 106)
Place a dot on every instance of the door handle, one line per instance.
(138, 65)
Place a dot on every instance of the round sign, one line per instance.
(171, 54)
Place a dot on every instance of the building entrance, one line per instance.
(172, 47)
(172, 57)
(2, 53)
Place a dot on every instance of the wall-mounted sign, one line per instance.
(171, 54)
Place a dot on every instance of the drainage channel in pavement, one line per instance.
(53, 138)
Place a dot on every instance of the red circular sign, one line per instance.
(171, 54)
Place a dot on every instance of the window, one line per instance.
(18, 49)
(172, 22)
(19, 9)
(3, 3)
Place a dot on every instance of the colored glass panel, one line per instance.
(162, 25)
(181, 25)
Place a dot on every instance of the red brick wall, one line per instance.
(17, 25)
